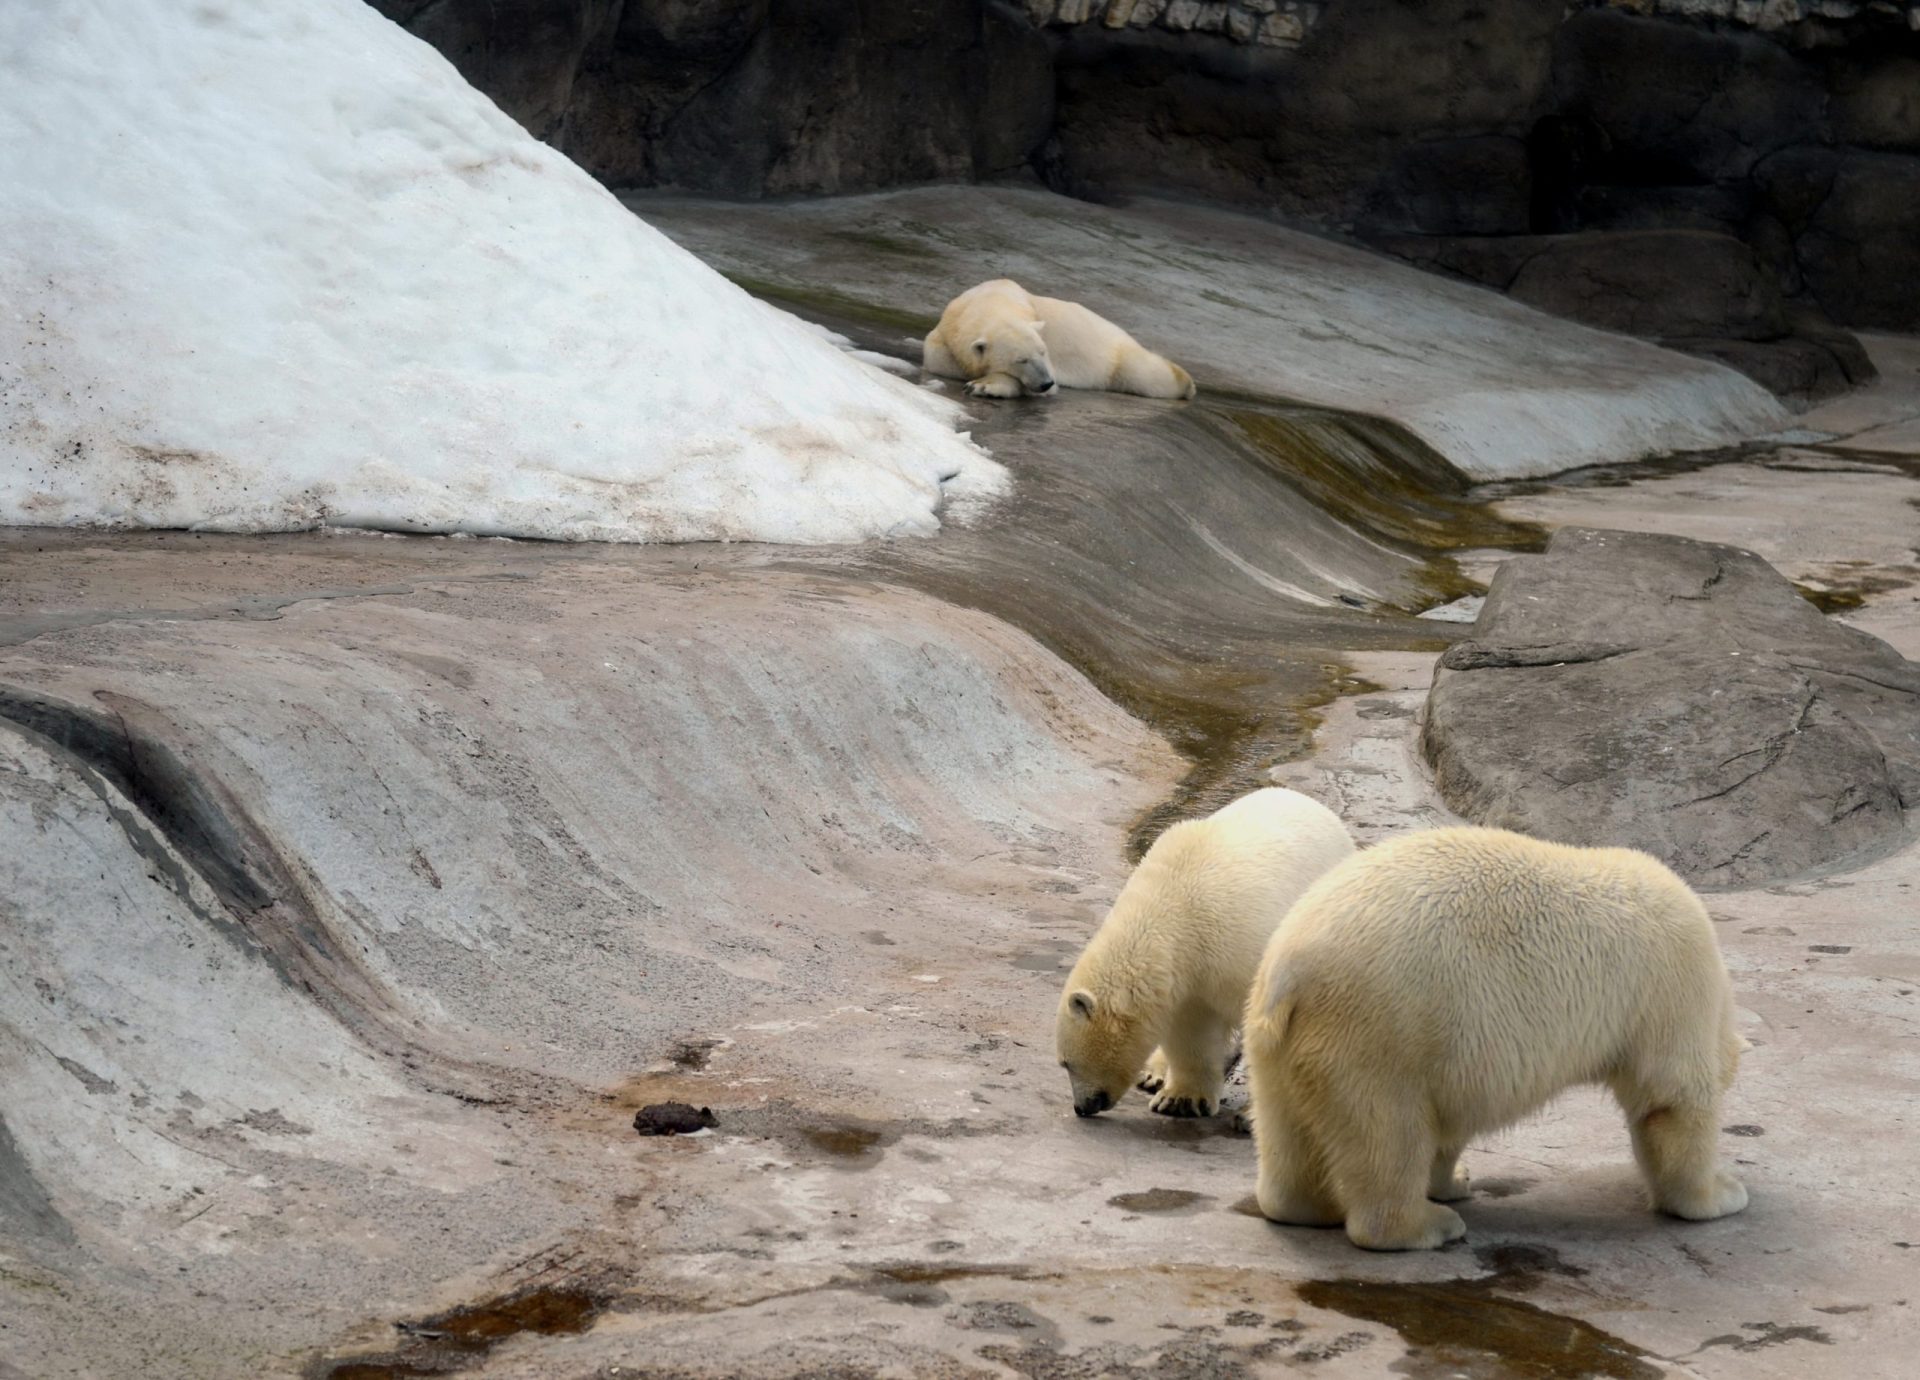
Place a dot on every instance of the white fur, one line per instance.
(1006, 342)
(1171, 964)
(1448, 983)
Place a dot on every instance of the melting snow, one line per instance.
(272, 264)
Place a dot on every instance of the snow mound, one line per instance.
(272, 264)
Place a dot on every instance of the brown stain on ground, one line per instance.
(1157, 1200)
(846, 1140)
(461, 1337)
(1472, 1328)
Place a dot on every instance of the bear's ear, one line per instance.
(980, 346)
(1082, 1004)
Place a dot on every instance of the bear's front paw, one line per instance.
(1412, 1229)
(1154, 1076)
(994, 386)
(1455, 1190)
(1725, 1196)
(1172, 1102)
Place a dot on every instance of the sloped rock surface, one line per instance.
(1679, 697)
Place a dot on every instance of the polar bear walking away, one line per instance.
(1446, 984)
(1006, 341)
(1171, 963)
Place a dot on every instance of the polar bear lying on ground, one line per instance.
(1448, 983)
(1006, 342)
(1171, 964)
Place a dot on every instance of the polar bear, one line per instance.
(1171, 963)
(1006, 341)
(1448, 983)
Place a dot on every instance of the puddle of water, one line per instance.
(1471, 1328)
(1157, 1200)
(461, 1337)
(847, 1141)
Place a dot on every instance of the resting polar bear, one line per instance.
(1448, 983)
(1171, 963)
(1006, 341)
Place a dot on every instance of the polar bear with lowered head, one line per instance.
(1448, 983)
(1171, 964)
(1006, 342)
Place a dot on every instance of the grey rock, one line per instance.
(1794, 368)
(1855, 221)
(1681, 105)
(1677, 697)
(760, 97)
(1705, 293)
(1876, 103)
(1655, 282)
(1477, 185)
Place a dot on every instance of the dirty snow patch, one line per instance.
(272, 265)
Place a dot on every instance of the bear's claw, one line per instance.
(1169, 1105)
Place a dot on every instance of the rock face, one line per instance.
(757, 97)
(1702, 291)
(1678, 697)
(1454, 132)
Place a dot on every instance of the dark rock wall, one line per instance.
(1534, 145)
(757, 97)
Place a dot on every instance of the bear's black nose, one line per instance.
(1093, 1106)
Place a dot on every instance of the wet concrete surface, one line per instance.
(803, 838)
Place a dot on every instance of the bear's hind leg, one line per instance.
(1384, 1168)
(1292, 1187)
(1676, 1142)
(1196, 1050)
(1447, 1183)
(1147, 375)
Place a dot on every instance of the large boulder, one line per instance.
(1855, 221)
(1697, 290)
(757, 97)
(1654, 282)
(1678, 697)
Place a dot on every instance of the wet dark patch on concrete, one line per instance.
(26, 1212)
(1744, 1129)
(1158, 1200)
(461, 1337)
(846, 1140)
(1508, 1187)
(1519, 1266)
(1829, 600)
(1000, 1315)
(1471, 1327)
(85, 1076)
(1761, 1335)
(692, 1055)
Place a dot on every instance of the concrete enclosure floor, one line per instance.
(355, 892)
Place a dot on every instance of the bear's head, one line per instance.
(1016, 349)
(1102, 1043)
